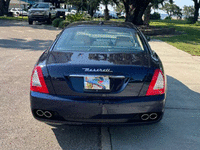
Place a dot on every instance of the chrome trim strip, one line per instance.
(79, 76)
(75, 75)
(117, 76)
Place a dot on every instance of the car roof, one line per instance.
(102, 23)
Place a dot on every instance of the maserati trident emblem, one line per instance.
(96, 70)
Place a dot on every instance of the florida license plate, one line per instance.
(96, 83)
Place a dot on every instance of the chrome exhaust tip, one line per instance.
(153, 116)
(145, 117)
(40, 113)
(48, 114)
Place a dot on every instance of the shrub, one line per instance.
(168, 18)
(78, 17)
(190, 20)
(87, 17)
(197, 23)
(155, 16)
(74, 17)
(63, 24)
(56, 22)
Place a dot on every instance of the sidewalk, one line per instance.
(179, 64)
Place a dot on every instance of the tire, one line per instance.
(64, 17)
(58, 15)
(49, 19)
(30, 22)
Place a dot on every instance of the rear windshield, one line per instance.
(105, 39)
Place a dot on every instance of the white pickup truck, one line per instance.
(41, 12)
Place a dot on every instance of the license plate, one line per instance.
(96, 83)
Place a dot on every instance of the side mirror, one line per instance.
(154, 55)
(148, 38)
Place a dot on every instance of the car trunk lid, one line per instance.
(97, 75)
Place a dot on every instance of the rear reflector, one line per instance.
(157, 85)
(37, 81)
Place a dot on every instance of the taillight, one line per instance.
(157, 85)
(37, 81)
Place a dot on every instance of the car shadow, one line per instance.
(180, 96)
(179, 128)
(22, 44)
(36, 25)
(77, 137)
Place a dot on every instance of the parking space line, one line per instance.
(105, 139)
(9, 61)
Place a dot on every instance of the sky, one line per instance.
(181, 3)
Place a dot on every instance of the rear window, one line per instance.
(106, 39)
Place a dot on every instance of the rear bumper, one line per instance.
(68, 111)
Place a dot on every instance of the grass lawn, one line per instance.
(14, 18)
(189, 41)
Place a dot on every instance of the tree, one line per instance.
(147, 12)
(196, 7)
(4, 5)
(93, 6)
(106, 11)
(135, 9)
(89, 5)
(172, 10)
(178, 12)
(188, 11)
(120, 8)
(80, 4)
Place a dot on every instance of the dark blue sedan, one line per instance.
(98, 73)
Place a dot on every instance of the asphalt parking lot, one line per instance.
(20, 47)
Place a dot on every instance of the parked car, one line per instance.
(98, 73)
(113, 14)
(42, 11)
(98, 14)
(73, 11)
(18, 12)
(64, 12)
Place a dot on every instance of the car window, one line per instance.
(99, 39)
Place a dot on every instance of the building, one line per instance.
(18, 4)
